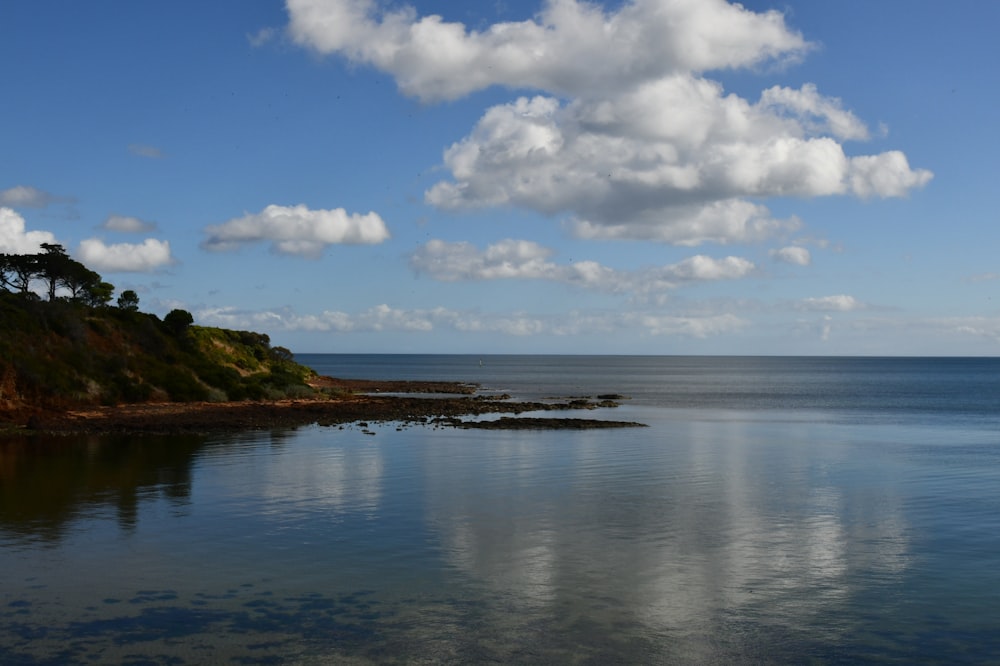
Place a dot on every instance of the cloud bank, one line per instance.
(296, 230)
(522, 259)
(383, 318)
(836, 303)
(627, 138)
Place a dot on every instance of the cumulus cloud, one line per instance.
(127, 224)
(570, 47)
(150, 255)
(885, 175)
(836, 303)
(143, 150)
(297, 230)
(14, 237)
(793, 254)
(818, 114)
(383, 318)
(522, 259)
(626, 168)
(451, 262)
(627, 137)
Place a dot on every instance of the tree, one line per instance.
(128, 300)
(96, 294)
(99, 294)
(177, 321)
(19, 270)
(79, 280)
(6, 272)
(53, 266)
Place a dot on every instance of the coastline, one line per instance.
(440, 404)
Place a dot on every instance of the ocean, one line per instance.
(776, 510)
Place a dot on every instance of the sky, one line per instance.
(520, 176)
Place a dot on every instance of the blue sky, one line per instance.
(638, 176)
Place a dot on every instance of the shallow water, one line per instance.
(802, 523)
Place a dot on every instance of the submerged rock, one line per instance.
(536, 423)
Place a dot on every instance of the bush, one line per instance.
(299, 392)
(216, 395)
(177, 321)
(179, 384)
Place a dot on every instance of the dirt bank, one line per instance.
(349, 401)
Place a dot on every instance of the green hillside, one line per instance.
(65, 352)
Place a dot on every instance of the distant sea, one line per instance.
(776, 510)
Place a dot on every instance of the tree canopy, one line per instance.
(55, 271)
(177, 321)
(128, 300)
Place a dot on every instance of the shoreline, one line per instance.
(347, 401)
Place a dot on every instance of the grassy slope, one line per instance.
(61, 354)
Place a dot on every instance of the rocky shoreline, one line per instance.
(440, 404)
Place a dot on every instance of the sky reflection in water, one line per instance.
(709, 536)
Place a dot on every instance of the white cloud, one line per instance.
(730, 221)
(150, 255)
(819, 114)
(261, 37)
(837, 303)
(297, 230)
(383, 318)
(695, 327)
(570, 47)
(127, 224)
(792, 255)
(628, 138)
(624, 168)
(521, 259)
(25, 196)
(826, 328)
(885, 175)
(15, 239)
(700, 267)
(451, 262)
(143, 150)
(980, 327)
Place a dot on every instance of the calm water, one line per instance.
(775, 511)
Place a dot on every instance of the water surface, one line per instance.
(775, 511)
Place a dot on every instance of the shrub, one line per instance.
(177, 321)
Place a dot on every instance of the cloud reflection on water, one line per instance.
(720, 521)
(300, 482)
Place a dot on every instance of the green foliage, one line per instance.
(178, 381)
(97, 295)
(177, 321)
(65, 353)
(73, 350)
(55, 270)
(128, 300)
